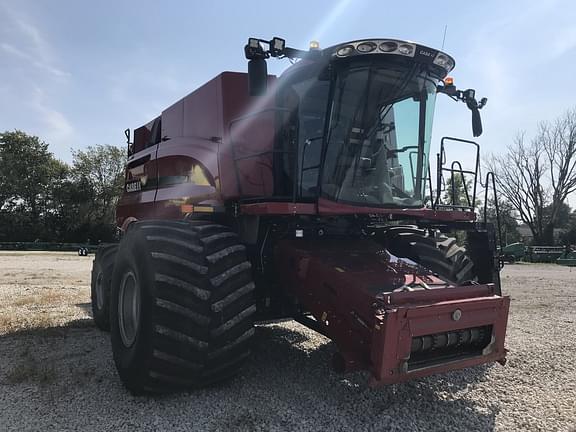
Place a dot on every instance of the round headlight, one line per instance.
(388, 46)
(441, 60)
(345, 50)
(366, 47)
(406, 49)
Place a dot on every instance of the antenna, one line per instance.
(444, 37)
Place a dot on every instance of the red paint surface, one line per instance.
(347, 286)
(328, 208)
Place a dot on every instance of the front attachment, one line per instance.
(414, 336)
(390, 315)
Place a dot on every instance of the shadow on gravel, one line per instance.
(287, 385)
(433, 403)
(58, 331)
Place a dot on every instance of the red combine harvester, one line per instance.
(305, 197)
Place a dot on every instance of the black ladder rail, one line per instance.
(490, 175)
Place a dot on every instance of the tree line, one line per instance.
(534, 178)
(45, 199)
(537, 175)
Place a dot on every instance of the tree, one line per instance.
(28, 171)
(459, 194)
(44, 198)
(569, 236)
(537, 176)
(508, 220)
(99, 172)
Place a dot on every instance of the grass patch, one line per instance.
(41, 299)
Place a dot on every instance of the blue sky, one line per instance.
(78, 73)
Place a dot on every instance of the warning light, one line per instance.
(314, 45)
(448, 81)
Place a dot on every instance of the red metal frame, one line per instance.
(327, 207)
(347, 286)
(395, 326)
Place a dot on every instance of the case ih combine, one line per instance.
(307, 197)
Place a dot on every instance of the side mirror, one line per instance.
(474, 106)
(476, 122)
(257, 76)
(469, 97)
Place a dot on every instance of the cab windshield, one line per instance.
(380, 122)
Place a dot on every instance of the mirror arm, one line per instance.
(466, 96)
(469, 98)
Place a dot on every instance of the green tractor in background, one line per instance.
(513, 252)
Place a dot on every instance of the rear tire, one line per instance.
(439, 253)
(183, 308)
(102, 268)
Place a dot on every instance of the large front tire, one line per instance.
(435, 251)
(183, 306)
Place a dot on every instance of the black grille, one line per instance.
(443, 347)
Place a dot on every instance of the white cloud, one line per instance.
(11, 49)
(33, 34)
(28, 44)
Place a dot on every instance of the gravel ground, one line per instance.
(57, 373)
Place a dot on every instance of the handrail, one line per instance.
(441, 161)
(464, 186)
(431, 190)
(489, 175)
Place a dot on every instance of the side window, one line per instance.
(155, 132)
(312, 114)
(147, 135)
(302, 102)
(141, 138)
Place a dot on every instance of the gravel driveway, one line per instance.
(57, 373)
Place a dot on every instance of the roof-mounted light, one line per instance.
(366, 47)
(276, 47)
(444, 61)
(389, 46)
(345, 51)
(419, 53)
(406, 49)
(314, 45)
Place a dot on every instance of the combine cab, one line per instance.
(310, 197)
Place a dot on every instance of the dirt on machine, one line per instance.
(307, 196)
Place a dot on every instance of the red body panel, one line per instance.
(193, 163)
(142, 170)
(327, 208)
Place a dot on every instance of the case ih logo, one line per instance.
(133, 186)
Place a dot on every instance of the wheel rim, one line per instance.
(100, 291)
(129, 309)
